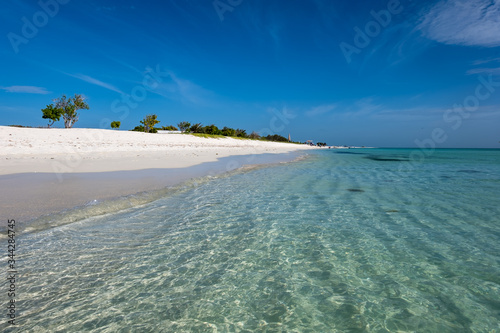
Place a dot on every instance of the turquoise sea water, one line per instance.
(359, 240)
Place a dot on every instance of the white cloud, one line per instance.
(463, 22)
(320, 110)
(433, 115)
(26, 90)
(176, 88)
(362, 108)
(410, 114)
(486, 61)
(96, 82)
(493, 71)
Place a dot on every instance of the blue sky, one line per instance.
(375, 73)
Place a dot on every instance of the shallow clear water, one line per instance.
(346, 241)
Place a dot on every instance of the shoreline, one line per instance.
(37, 203)
(39, 182)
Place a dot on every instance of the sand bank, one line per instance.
(61, 151)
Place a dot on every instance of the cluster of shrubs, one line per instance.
(214, 130)
(198, 128)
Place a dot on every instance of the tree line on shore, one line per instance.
(67, 109)
(150, 121)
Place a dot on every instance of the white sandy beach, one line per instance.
(44, 171)
(76, 150)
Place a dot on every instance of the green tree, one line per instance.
(276, 137)
(52, 113)
(139, 128)
(169, 128)
(67, 108)
(197, 128)
(241, 133)
(149, 123)
(212, 129)
(115, 124)
(184, 126)
(227, 131)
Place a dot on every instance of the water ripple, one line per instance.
(278, 249)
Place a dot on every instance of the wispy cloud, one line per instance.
(493, 68)
(410, 114)
(368, 109)
(362, 108)
(486, 61)
(493, 71)
(269, 28)
(463, 22)
(7, 108)
(320, 110)
(26, 90)
(487, 112)
(176, 88)
(432, 114)
(96, 82)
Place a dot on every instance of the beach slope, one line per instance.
(44, 171)
(76, 150)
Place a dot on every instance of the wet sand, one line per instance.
(27, 196)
